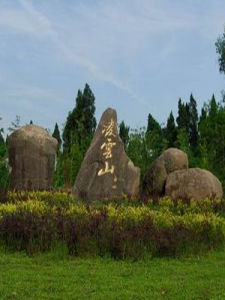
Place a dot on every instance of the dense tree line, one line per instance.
(201, 136)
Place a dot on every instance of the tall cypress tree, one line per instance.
(56, 135)
(213, 109)
(78, 132)
(171, 131)
(203, 116)
(81, 122)
(183, 116)
(155, 142)
(193, 124)
(153, 125)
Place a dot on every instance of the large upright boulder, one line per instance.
(106, 172)
(194, 184)
(32, 153)
(155, 178)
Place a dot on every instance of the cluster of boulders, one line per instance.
(169, 176)
(106, 172)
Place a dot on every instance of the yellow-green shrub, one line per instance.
(168, 228)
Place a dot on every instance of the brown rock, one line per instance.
(155, 178)
(175, 159)
(106, 171)
(193, 184)
(32, 153)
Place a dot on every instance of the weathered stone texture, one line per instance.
(194, 184)
(155, 178)
(106, 172)
(32, 153)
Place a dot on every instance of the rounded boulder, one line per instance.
(32, 153)
(155, 178)
(194, 183)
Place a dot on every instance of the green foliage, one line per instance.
(153, 125)
(137, 149)
(77, 135)
(81, 122)
(59, 178)
(183, 116)
(145, 146)
(4, 171)
(119, 231)
(124, 134)
(171, 131)
(212, 137)
(56, 135)
(2, 141)
(220, 49)
(193, 124)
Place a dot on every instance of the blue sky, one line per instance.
(138, 57)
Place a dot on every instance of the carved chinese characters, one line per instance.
(106, 148)
(106, 172)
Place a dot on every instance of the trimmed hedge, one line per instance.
(120, 231)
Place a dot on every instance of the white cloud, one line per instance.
(31, 92)
(42, 26)
(109, 38)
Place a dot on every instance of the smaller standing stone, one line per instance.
(106, 172)
(32, 153)
(194, 184)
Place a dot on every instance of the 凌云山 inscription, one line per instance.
(106, 148)
(106, 172)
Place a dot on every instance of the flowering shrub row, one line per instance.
(109, 230)
(63, 199)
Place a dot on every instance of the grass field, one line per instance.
(54, 275)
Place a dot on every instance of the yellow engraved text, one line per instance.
(106, 170)
(107, 147)
(108, 129)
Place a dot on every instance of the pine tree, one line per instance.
(171, 131)
(213, 109)
(2, 141)
(81, 122)
(78, 132)
(124, 133)
(56, 135)
(155, 141)
(183, 116)
(203, 116)
(193, 124)
(153, 125)
(89, 111)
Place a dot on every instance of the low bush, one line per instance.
(113, 230)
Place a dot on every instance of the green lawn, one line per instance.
(56, 276)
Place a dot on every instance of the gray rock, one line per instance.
(32, 153)
(193, 183)
(106, 172)
(155, 178)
